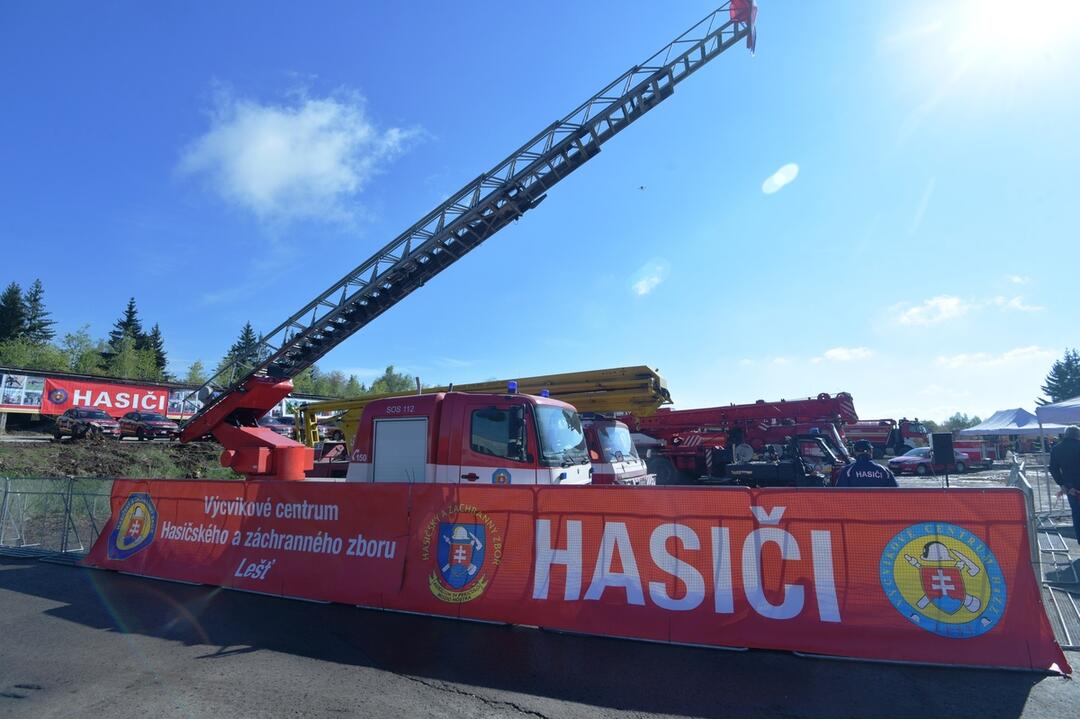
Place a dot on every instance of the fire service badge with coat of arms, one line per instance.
(464, 553)
(944, 579)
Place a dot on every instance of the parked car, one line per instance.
(282, 425)
(80, 422)
(147, 426)
(918, 462)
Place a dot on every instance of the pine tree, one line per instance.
(1063, 380)
(246, 344)
(128, 326)
(12, 313)
(155, 343)
(245, 349)
(38, 323)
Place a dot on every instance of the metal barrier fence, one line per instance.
(1052, 556)
(52, 516)
(1047, 501)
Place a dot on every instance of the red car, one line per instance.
(80, 422)
(147, 426)
(918, 462)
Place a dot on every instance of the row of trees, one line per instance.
(27, 340)
(312, 381)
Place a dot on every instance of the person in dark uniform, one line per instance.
(864, 472)
(1065, 469)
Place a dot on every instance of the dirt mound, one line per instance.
(103, 457)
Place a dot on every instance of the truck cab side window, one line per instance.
(499, 432)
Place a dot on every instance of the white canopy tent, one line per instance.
(1016, 421)
(1066, 412)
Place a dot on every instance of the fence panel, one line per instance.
(49, 516)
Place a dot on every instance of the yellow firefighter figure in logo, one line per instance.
(942, 573)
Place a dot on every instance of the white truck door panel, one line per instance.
(400, 450)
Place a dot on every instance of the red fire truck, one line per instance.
(888, 437)
(687, 445)
(454, 437)
(614, 458)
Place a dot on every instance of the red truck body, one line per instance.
(470, 438)
(888, 436)
(615, 460)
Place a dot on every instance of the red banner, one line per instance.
(116, 400)
(909, 575)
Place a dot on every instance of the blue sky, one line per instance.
(227, 162)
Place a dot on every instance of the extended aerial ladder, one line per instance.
(639, 390)
(247, 387)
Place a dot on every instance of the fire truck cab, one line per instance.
(453, 437)
(614, 458)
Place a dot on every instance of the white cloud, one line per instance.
(1018, 279)
(933, 311)
(649, 275)
(784, 176)
(845, 354)
(1016, 356)
(301, 159)
(1016, 303)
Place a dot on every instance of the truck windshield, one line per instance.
(616, 443)
(561, 437)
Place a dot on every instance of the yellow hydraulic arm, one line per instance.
(638, 390)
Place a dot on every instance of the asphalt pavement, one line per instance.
(78, 643)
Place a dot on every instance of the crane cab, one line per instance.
(484, 439)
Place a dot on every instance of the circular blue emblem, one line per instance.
(944, 579)
(58, 396)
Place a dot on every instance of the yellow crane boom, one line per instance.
(638, 390)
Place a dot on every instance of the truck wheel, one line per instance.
(922, 470)
(57, 434)
(139, 434)
(961, 468)
(665, 471)
(79, 432)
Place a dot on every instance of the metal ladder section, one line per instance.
(476, 212)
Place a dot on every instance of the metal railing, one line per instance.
(1051, 555)
(52, 516)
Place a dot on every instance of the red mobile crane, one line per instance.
(685, 445)
(242, 392)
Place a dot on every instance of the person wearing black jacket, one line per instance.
(1065, 469)
(864, 472)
